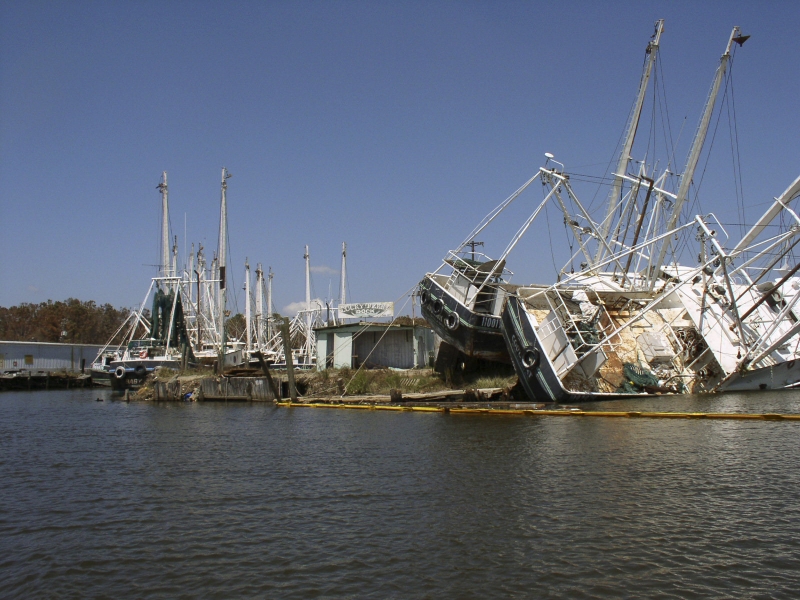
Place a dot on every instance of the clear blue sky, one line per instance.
(393, 126)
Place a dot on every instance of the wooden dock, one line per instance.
(43, 380)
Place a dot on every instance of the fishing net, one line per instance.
(637, 378)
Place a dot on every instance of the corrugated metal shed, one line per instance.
(374, 345)
(386, 349)
(44, 356)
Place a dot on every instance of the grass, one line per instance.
(381, 381)
(353, 382)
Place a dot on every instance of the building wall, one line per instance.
(322, 352)
(424, 347)
(40, 356)
(351, 346)
(394, 349)
(342, 349)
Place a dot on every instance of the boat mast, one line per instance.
(162, 187)
(342, 285)
(174, 270)
(259, 305)
(694, 154)
(222, 263)
(200, 273)
(247, 305)
(614, 197)
(190, 273)
(269, 304)
(308, 304)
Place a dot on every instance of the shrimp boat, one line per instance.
(744, 306)
(727, 323)
(208, 329)
(263, 335)
(463, 299)
(166, 343)
(463, 305)
(101, 370)
(160, 339)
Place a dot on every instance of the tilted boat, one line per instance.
(666, 328)
(744, 306)
(463, 299)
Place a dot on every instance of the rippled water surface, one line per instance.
(120, 499)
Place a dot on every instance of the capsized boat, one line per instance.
(589, 338)
(463, 299)
(744, 305)
(612, 330)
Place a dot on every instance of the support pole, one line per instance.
(287, 353)
(265, 369)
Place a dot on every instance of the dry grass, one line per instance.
(381, 381)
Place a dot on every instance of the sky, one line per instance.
(392, 126)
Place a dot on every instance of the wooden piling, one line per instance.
(287, 352)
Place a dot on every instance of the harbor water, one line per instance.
(117, 499)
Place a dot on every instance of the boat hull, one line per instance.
(126, 374)
(779, 376)
(476, 335)
(101, 377)
(535, 372)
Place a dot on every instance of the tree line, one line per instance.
(70, 321)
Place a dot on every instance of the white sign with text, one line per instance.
(362, 310)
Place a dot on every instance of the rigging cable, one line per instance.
(550, 235)
(735, 156)
(664, 110)
(728, 76)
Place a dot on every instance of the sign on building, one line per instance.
(362, 310)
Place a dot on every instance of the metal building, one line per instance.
(46, 356)
(374, 345)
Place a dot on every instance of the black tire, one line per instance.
(438, 307)
(424, 297)
(531, 357)
(119, 372)
(140, 372)
(452, 321)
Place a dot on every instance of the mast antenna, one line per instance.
(165, 262)
(343, 283)
(694, 153)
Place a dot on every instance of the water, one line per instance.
(115, 499)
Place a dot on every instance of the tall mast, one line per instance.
(222, 262)
(200, 272)
(697, 147)
(190, 273)
(630, 135)
(343, 284)
(247, 305)
(259, 305)
(269, 304)
(308, 303)
(174, 270)
(214, 306)
(162, 187)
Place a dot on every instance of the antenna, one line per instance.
(472, 244)
(343, 284)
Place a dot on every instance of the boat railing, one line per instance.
(474, 281)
